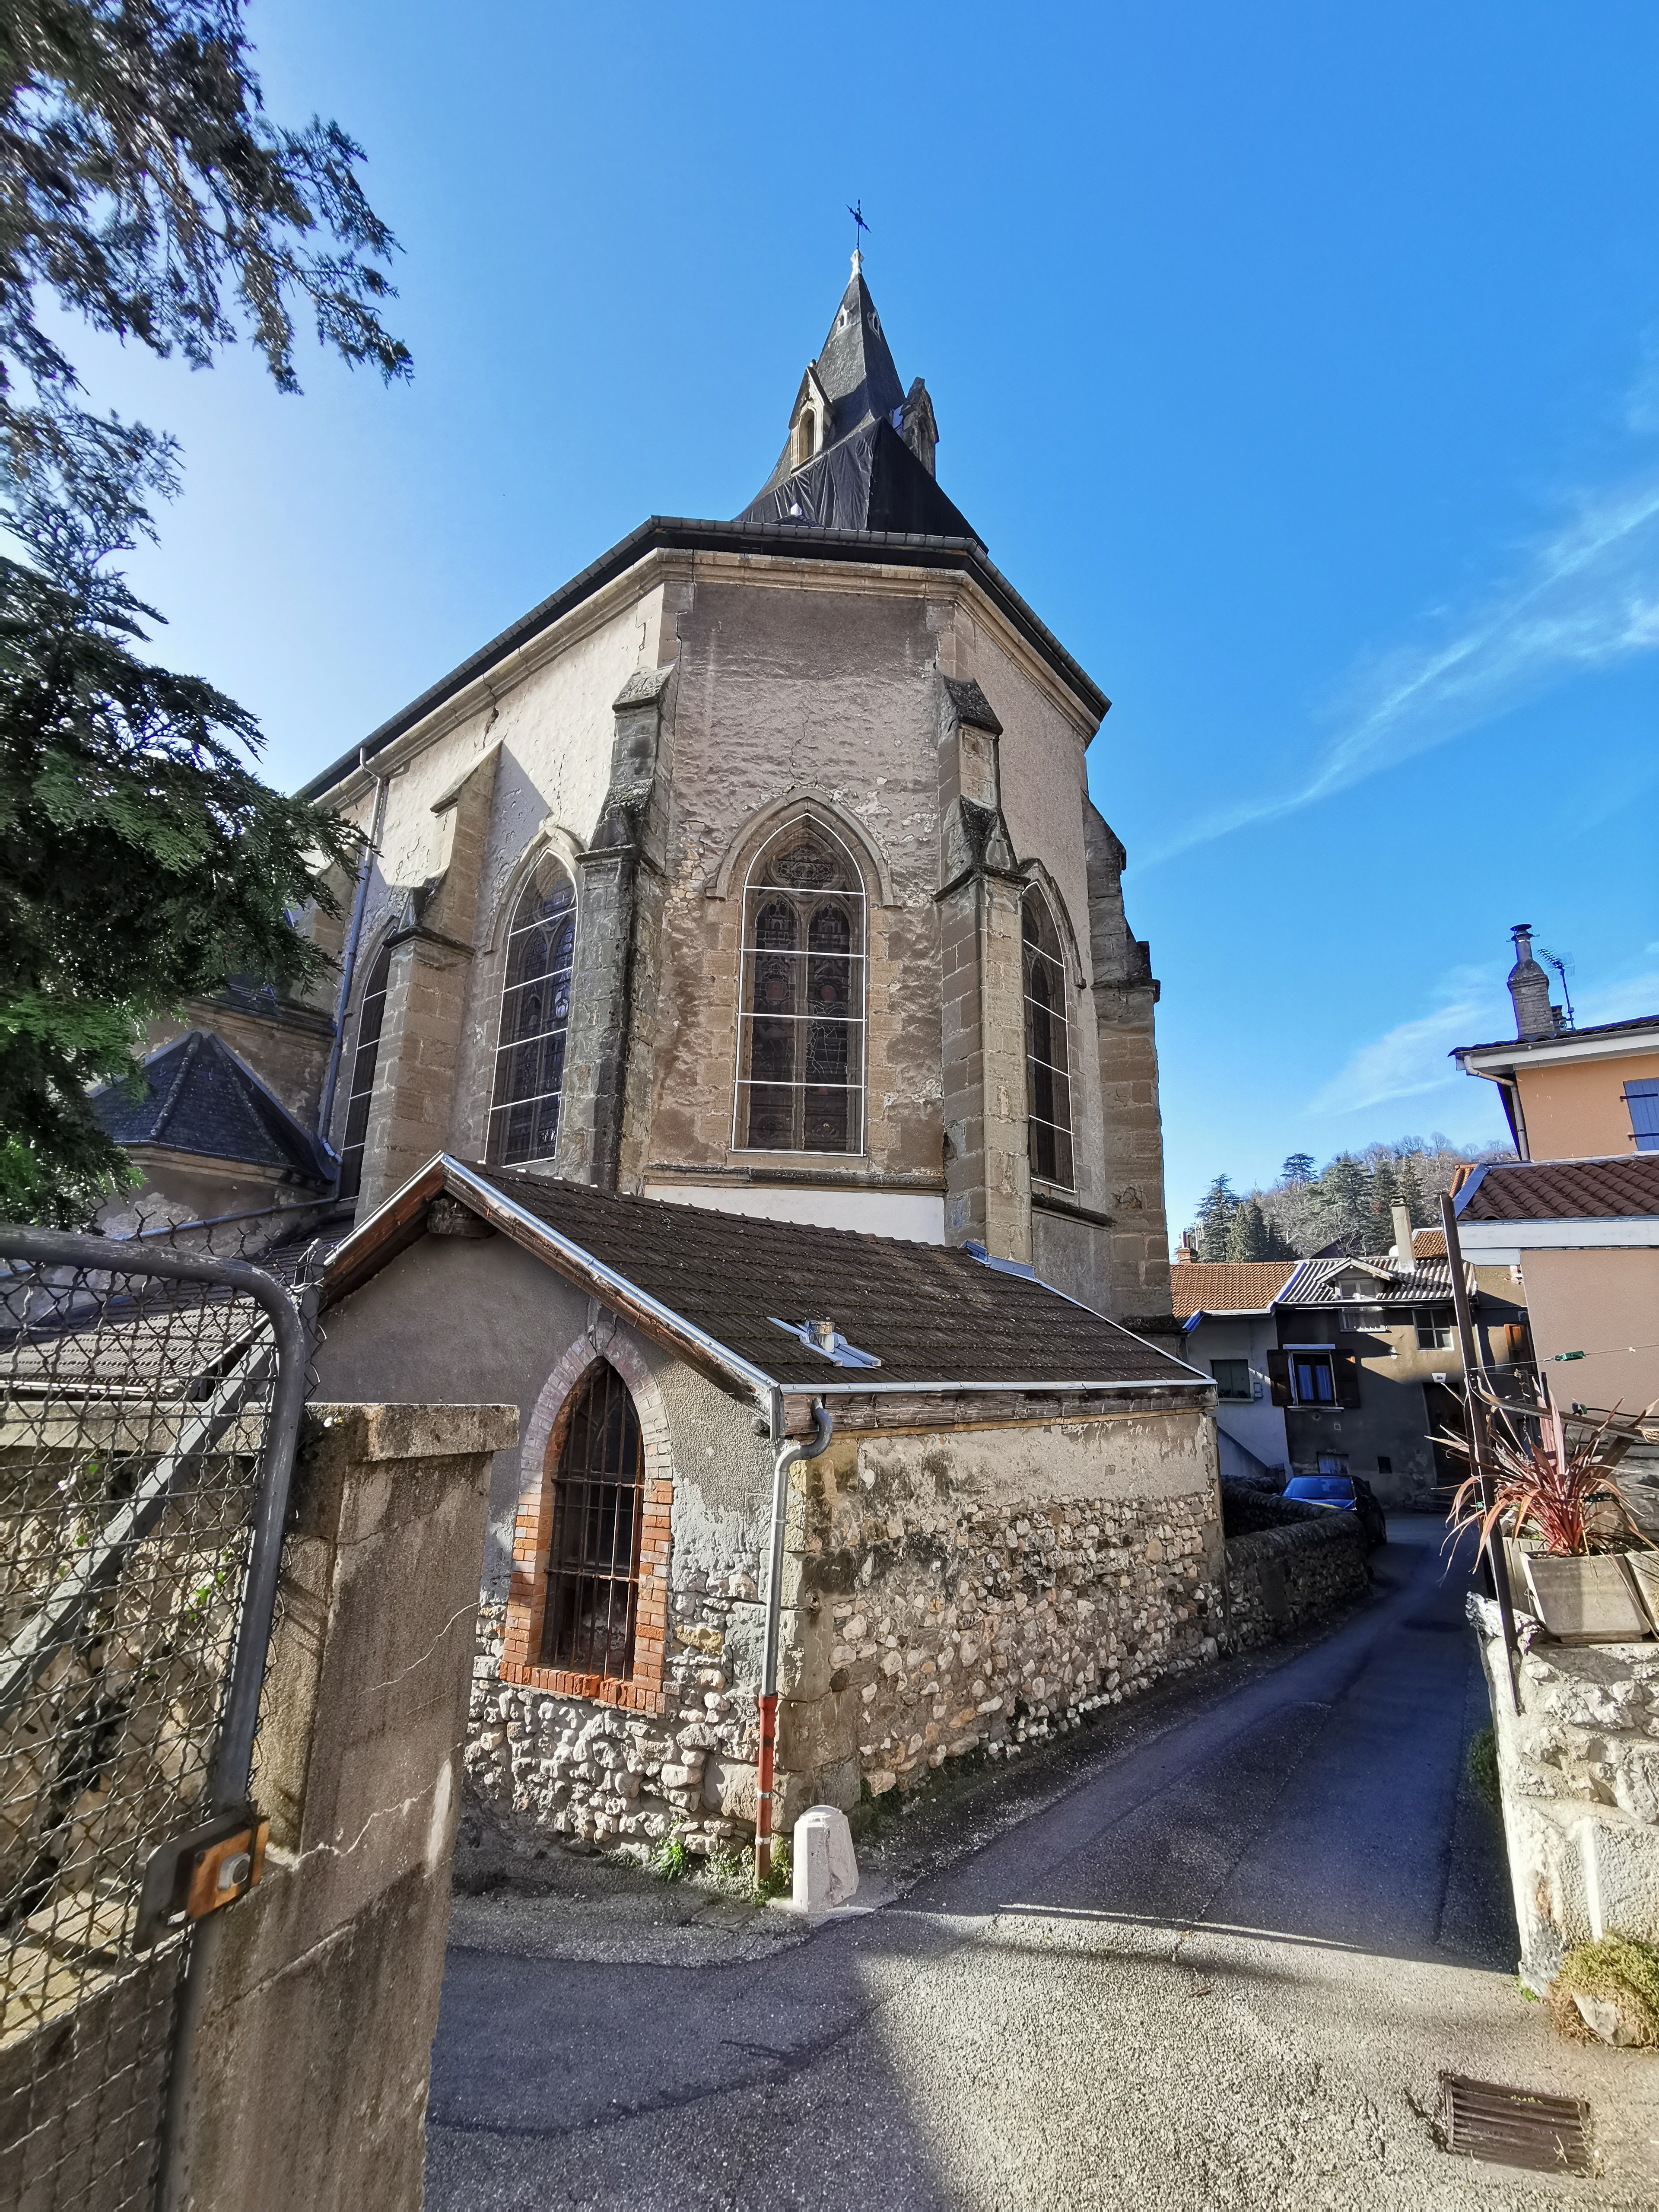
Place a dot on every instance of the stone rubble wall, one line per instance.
(1578, 1768)
(1279, 1579)
(601, 1775)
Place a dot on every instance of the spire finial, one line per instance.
(859, 227)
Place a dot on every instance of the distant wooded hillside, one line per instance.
(1349, 1203)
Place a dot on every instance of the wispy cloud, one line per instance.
(1584, 597)
(1412, 1057)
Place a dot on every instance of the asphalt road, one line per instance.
(1222, 1965)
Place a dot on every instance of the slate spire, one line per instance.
(859, 452)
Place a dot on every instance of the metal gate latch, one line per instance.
(195, 1874)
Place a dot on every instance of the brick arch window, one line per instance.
(371, 1014)
(800, 1048)
(588, 1617)
(541, 948)
(1047, 1066)
(587, 1607)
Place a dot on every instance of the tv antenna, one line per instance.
(1563, 964)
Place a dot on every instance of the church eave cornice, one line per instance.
(887, 549)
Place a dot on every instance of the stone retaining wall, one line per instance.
(1278, 1578)
(1578, 1767)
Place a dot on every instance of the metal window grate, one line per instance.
(1516, 2127)
(593, 1564)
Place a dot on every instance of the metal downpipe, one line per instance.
(785, 1456)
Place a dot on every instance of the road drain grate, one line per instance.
(1516, 2127)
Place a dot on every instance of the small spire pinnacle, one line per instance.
(858, 263)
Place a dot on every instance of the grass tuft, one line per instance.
(1621, 1971)
(670, 1860)
(1483, 1768)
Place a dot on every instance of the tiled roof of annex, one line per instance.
(1562, 1190)
(1228, 1286)
(930, 1314)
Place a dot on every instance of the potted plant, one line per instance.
(1557, 1499)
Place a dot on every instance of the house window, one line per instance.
(1643, 1099)
(1048, 1068)
(1232, 1377)
(371, 1012)
(1434, 1328)
(1312, 1379)
(1360, 1320)
(593, 1564)
(800, 1051)
(541, 945)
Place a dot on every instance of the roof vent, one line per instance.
(827, 1341)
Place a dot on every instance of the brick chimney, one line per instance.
(1529, 987)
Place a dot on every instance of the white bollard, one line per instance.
(826, 1870)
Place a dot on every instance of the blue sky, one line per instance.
(1300, 365)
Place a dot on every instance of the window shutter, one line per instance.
(1643, 1100)
(1347, 1380)
(1279, 1376)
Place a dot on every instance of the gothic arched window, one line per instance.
(371, 1012)
(1048, 1068)
(524, 1106)
(593, 1562)
(800, 1051)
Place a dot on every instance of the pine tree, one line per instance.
(1215, 1219)
(1412, 1195)
(1344, 1200)
(1251, 1236)
(1383, 1192)
(143, 188)
(1297, 1170)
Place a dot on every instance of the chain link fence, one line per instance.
(149, 1402)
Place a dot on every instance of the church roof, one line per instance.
(716, 1286)
(198, 1096)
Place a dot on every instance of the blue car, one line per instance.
(1341, 1493)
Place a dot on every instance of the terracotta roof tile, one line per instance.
(1228, 1286)
(1562, 1190)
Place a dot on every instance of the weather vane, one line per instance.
(859, 226)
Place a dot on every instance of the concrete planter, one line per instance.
(1584, 1599)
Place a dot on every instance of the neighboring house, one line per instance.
(1227, 1313)
(1347, 1366)
(1584, 1236)
(1569, 1094)
(1577, 1216)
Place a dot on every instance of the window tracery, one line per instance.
(801, 1058)
(541, 945)
(1047, 1066)
(371, 1014)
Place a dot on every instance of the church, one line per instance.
(738, 1018)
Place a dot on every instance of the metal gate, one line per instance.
(149, 1404)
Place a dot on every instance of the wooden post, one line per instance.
(1475, 1423)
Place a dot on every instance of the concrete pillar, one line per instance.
(426, 998)
(1125, 995)
(988, 1169)
(618, 936)
(318, 1994)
